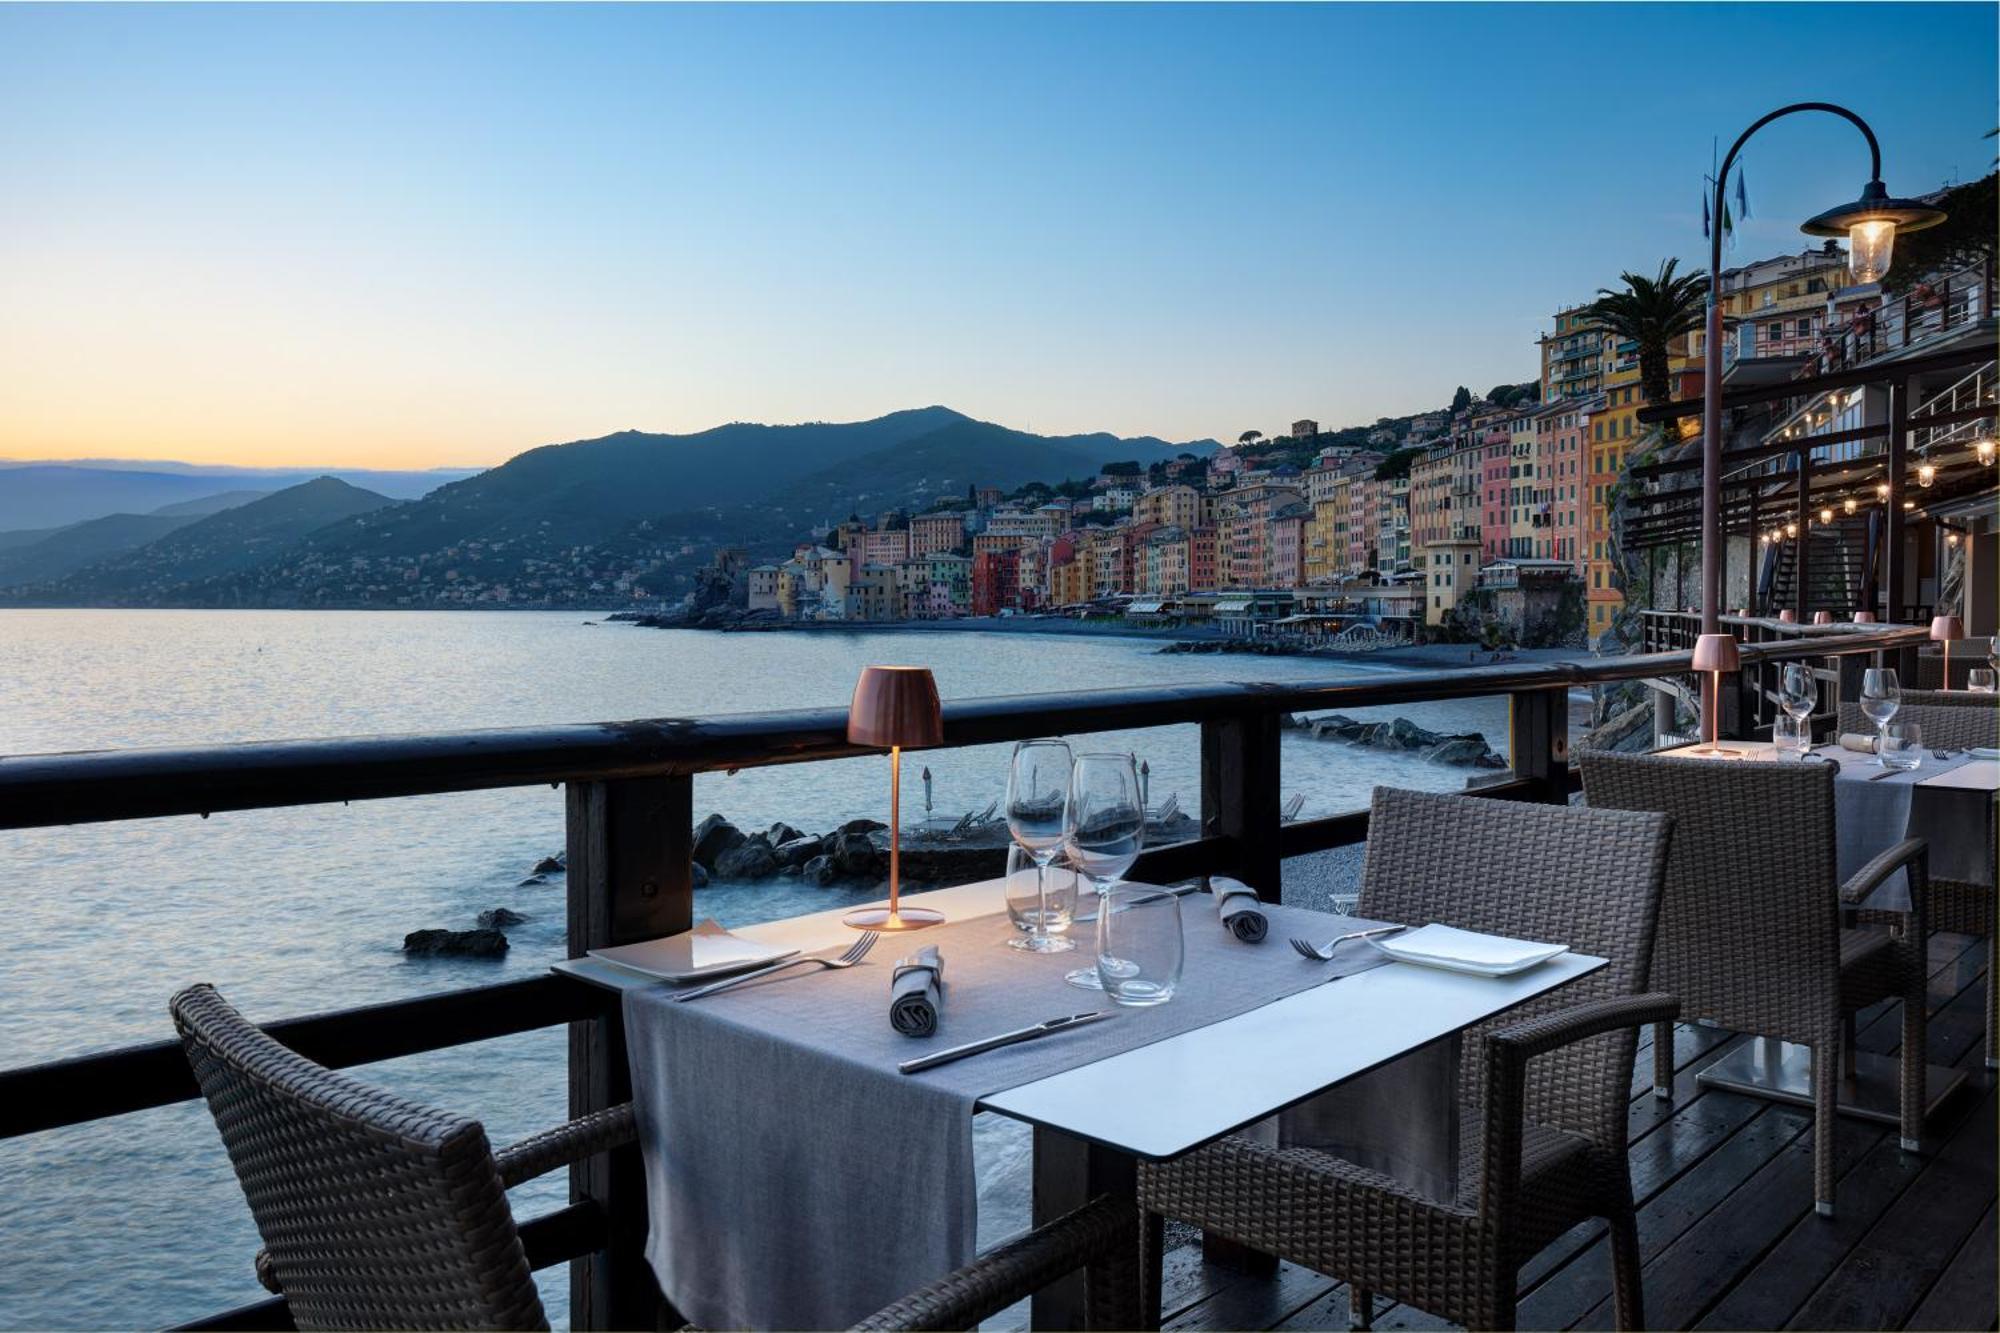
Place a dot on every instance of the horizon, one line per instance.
(432, 238)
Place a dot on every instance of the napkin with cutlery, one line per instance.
(1854, 741)
(915, 992)
(1238, 905)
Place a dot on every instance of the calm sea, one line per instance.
(137, 1221)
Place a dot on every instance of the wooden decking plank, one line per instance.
(1579, 1285)
(1965, 1294)
(1256, 1303)
(1693, 1272)
(1328, 1312)
(1880, 1282)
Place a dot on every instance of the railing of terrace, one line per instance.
(629, 790)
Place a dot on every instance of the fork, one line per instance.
(1324, 954)
(853, 954)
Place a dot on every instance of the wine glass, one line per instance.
(1104, 828)
(1880, 698)
(1038, 782)
(1798, 694)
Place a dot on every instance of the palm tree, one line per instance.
(1652, 312)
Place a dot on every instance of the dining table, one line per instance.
(1255, 1032)
(1945, 800)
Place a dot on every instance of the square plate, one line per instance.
(706, 951)
(1456, 950)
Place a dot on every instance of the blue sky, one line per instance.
(404, 235)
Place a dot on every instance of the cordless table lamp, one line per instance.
(1715, 654)
(1944, 629)
(897, 707)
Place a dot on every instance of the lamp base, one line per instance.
(887, 920)
(1718, 752)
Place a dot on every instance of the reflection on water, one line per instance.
(292, 911)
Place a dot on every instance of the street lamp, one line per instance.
(1870, 224)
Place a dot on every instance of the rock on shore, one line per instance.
(482, 943)
(1466, 750)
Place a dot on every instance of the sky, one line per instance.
(414, 236)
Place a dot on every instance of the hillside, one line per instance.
(187, 565)
(44, 495)
(67, 550)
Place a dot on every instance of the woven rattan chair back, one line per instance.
(1750, 926)
(376, 1212)
(1590, 879)
(1951, 699)
(1947, 726)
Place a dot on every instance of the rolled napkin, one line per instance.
(1238, 904)
(1853, 741)
(914, 993)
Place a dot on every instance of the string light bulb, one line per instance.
(1984, 450)
(1926, 473)
(1848, 504)
(1791, 529)
(1951, 539)
(1882, 491)
(1826, 515)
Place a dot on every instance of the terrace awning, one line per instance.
(1144, 608)
(1236, 605)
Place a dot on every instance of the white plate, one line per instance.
(706, 951)
(1456, 950)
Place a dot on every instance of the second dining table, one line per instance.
(797, 1178)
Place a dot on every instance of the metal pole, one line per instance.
(1802, 515)
(1711, 371)
(1893, 556)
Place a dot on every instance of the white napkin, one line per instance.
(1853, 741)
(1447, 946)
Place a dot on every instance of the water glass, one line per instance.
(1038, 905)
(1140, 944)
(1981, 680)
(1791, 736)
(1880, 696)
(1901, 746)
(1037, 813)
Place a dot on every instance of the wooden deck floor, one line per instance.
(1726, 1223)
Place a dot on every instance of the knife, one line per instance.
(1043, 1029)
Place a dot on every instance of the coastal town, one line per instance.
(1493, 516)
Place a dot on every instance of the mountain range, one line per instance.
(548, 518)
(54, 494)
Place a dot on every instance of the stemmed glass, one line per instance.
(1038, 784)
(1104, 828)
(1798, 692)
(1880, 698)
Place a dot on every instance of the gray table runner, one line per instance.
(795, 1179)
(1872, 816)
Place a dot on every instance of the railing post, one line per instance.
(1538, 739)
(1239, 796)
(629, 879)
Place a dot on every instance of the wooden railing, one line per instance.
(630, 805)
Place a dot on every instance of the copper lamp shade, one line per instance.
(1715, 654)
(895, 706)
(1866, 618)
(1944, 629)
(1788, 617)
(1822, 617)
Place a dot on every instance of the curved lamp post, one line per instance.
(1870, 224)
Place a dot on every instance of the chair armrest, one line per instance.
(1013, 1270)
(581, 1138)
(1538, 1036)
(1910, 852)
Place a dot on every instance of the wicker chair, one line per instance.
(376, 1212)
(1545, 1089)
(1096, 1238)
(1953, 719)
(1750, 932)
(1951, 726)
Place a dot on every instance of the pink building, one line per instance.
(1496, 459)
(1559, 471)
(1288, 545)
(1363, 518)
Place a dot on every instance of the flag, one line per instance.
(1742, 198)
(1728, 226)
(1704, 212)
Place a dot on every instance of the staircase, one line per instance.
(1836, 566)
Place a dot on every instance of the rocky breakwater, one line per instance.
(1466, 750)
(857, 853)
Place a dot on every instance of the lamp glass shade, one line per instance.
(1926, 473)
(1983, 450)
(895, 705)
(1946, 628)
(1871, 246)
